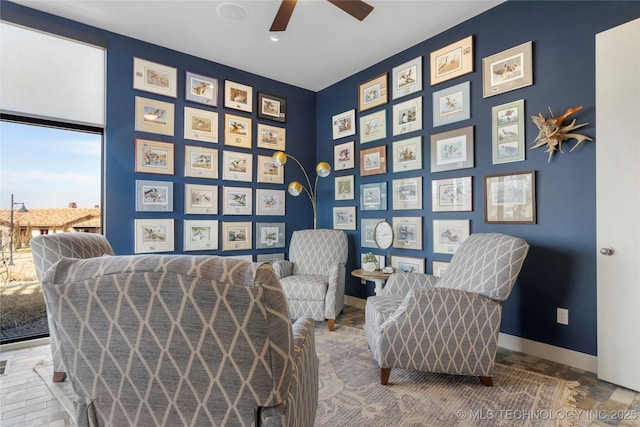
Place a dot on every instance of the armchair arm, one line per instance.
(334, 299)
(400, 283)
(303, 391)
(465, 329)
(283, 268)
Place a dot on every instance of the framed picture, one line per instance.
(344, 217)
(373, 93)
(270, 235)
(200, 235)
(373, 196)
(200, 199)
(201, 125)
(270, 257)
(407, 154)
(154, 196)
(344, 124)
(344, 156)
(373, 161)
(154, 157)
(237, 201)
(452, 61)
(237, 131)
(508, 70)
(236, 236)
(452, 150)
(438, 268)
(451, 105)
(237, 166)
(407, 193)
(451, 195)
(155, 78)
(407, 232)
(271, 137)
(153, 235)
(407, 264)
(270, 202)
(268, 171)
(272, 107)
(448, 235)
(200, 162)
(154, 116)
(373, 126)
(407, 116)
(407, 78)
(510, 198)
(344, 187)
(201, 89)
(238, 96)
(508, 128)
(367, 225)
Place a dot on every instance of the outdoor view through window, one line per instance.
(50, 183)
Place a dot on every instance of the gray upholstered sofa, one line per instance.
(181, 340)
(48, 249)
(448, 325)
(313, 277)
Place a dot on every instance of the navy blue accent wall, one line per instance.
(560, 270)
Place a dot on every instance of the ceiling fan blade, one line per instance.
(356, 8)
(283, 15)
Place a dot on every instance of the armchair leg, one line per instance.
(332, 324)
(59, 377)
(486, 381)
(384, 375)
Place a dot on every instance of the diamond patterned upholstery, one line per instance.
(48, 249)
(181, 340)
(313, 277)
(448, 325)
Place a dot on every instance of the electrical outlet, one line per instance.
(563, 316)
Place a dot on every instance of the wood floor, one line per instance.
(26, 401)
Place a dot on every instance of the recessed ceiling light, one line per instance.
(233, 11)
(274, 38)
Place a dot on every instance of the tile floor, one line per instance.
(26, 401)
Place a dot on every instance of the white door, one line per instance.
(618, 203)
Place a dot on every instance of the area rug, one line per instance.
(351, 394)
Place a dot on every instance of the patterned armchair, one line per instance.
(448, 325)
(181, 340)
(313, 277)
(47, 249)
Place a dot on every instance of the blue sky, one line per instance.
(48, 168)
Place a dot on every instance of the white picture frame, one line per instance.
(237, 200)
(407, 78)
(270, 235)
(155, 78)
(407, 232)
(407, 264)
(344, 187)
(200, 125)
(438, 268)
(271, 257)
(200, 199)
(373, 126)
(448, 235)
(344, 156)
(407, 154)
(201, 89)
(268, 171)
(344, 217)
(200, 235)
(344, 124)
(238, 96)
(407, 193)
(237, 235)
(153, 235)
(270, 202)
(367, 227)
(407, 116)
(237, 131)
(237, 166)
(451, 194)
(271, 137)
(154, 116)
(154, 196)
(200, 162)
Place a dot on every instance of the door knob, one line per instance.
(606, 251)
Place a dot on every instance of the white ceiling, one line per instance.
(321, 46)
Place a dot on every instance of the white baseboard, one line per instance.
(565, 356)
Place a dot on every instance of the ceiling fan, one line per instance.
(356, 8)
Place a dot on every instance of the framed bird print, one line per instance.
(201, 89)
(508, 70)
(238, 96)
(407, 78)
(452, 61)
(237, 131)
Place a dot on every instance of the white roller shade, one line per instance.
(49, 77)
